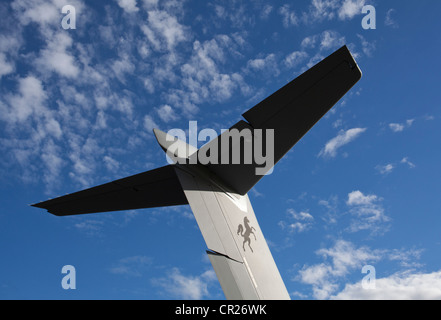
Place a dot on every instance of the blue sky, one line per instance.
(77, 109)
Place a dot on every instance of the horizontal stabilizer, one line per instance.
(155, 188)
(290, 112)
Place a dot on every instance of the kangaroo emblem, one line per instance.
(246, 234)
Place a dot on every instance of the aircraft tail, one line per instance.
(217, 191)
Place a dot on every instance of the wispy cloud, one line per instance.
(325, 10)
(341, 259)
(289, 16)
(295, 58)
(328, 39)
(399, 127)
(56, 57)
(358, 198)
(342, 139)
(164, 31)
(385, 169)
(186, 287)
(389, 21)
(166, 113)
(6, 67)
(367, 47)
(149, 123)
(350, 8)
(405, 160)
(399, 286)
(158, 46)
(90, 227)
(297, 221)
(266, 65)
(266, 11)
(368, 213)
(388, 168)
(133, 266)
(129, 6)
(344, 258)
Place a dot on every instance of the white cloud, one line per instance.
(399, 286)
(29, 101)
(10, 43)
(90, 227)
(399, 127)
(405, 160)
(289, 16)
(203, 78)
(148, 4)
(358, 198)
(302, 221)
(149, 86)
(220, 11)
(331, 39)
(6, 67)
(122, 66)
(309, 42)
(332, 211)
(9, 48)
(256, 64)
(53, 128)
(187, 287)
(53, 161)
(300, 215)
(46, 13)
(386, 169)
(299, 227)
(320, 10)
(85, 154)
(267, 9)
(295, 58)
(222, 86)
(343, 138)
(368, 212)
(267, 64)
(148, 32)
(111, 164)
(128, 5)
(39, 11)
(164, 31)
(350, 8)
(367, 47)
(149, 123)
(406, 258)
(390, 21)
(396, 127)
(57, 57)
(131, 266)
(327, 40)
(344, 258)
(166, 113)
